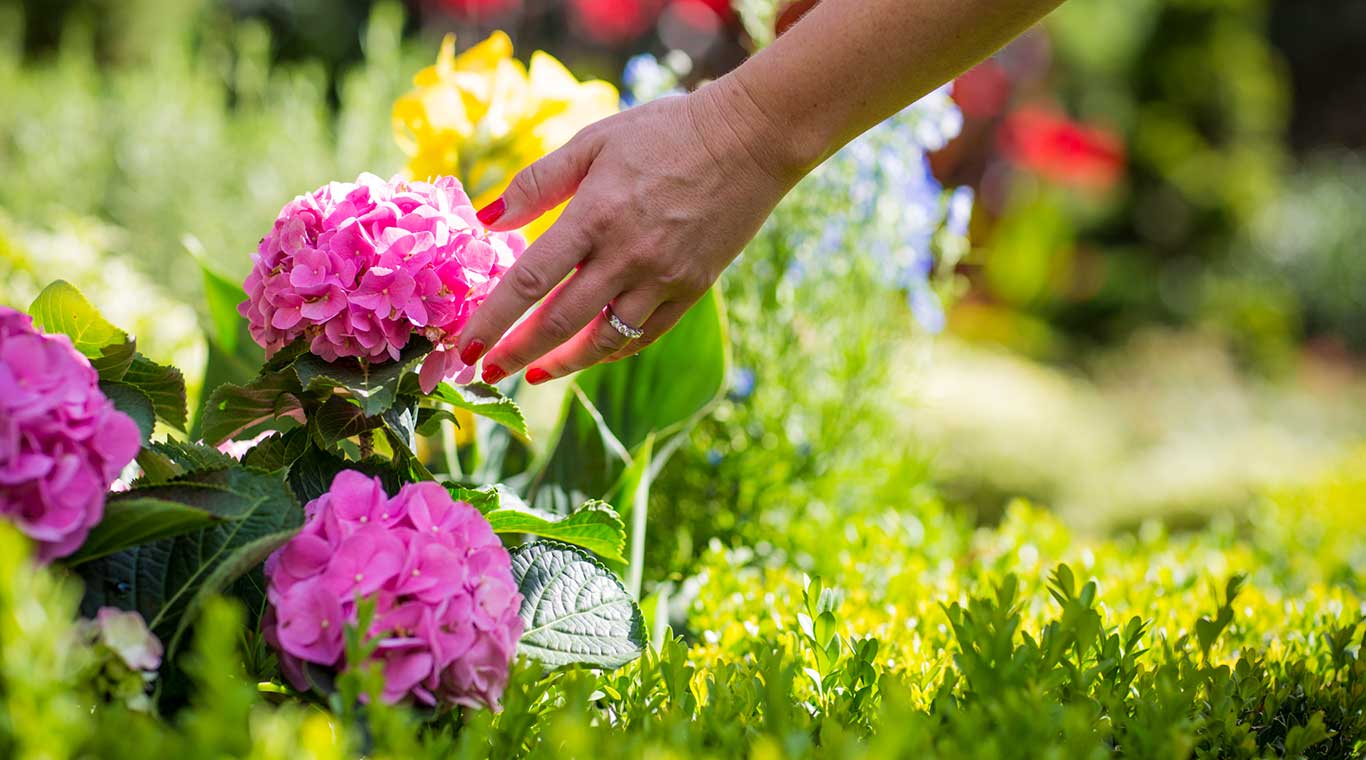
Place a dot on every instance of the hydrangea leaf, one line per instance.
(234, 409)
(575, 610)
(595, 526)
(488, 498)
(338, 419)
(164, 579)
(132, 402)
(164, 385)
(310, 476)
(374, 386)
(61, 308)
(277, 452)
(158, 511)
(191, 457)
(486, 401)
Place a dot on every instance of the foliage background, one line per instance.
(1167, 364)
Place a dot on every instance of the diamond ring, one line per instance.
(629, 332)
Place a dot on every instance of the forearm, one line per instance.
(849, 64)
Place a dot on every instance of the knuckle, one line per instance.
(683, 280)
(527, 282)
(528, 181)
(556, 326)
(604, 340)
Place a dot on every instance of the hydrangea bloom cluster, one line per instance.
(61, 441)
(446, 618)
(359, 267)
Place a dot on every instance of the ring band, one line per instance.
(627, 331)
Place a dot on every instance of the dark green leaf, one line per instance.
(401, 420)
(594, 527)
(575, 611)
(311, 475)
(429, 420)
(190, 457)
(162, 511)
(338, 419)
(156, 467)
(61, 308)
(373, 386)
(166, 579)
(133, 403)
(165, 386)
(235, 409)
(486, 401)
(277, 452)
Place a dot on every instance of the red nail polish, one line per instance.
(493, 373)
(472, 352)
(492, 212)
(536, 376)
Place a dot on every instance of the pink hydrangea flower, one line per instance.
(61, 441)
(446, 621)
(359, 267)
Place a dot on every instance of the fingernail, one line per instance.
(536, 376)
(472, 352)
(492, 212)
(493, 373)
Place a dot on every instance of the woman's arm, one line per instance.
(666, 194)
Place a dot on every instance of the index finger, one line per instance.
(554, 255)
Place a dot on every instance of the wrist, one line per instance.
(728, 107)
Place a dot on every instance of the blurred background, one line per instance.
(1160, 312)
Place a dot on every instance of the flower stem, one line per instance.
(367, 444)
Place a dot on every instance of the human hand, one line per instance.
(665, 195)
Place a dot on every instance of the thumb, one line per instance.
(541, 186)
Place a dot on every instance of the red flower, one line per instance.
(614, 21)
(1061, 150)
(983, 90)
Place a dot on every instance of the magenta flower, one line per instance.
(446, 623)
(62, 443)
(358, 268)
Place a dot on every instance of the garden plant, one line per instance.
(332, 541)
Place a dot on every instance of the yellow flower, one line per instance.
(483, 116)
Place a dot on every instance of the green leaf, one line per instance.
(401, 420)
(613, 408)
(156, 467)
(277, 452)
(159, 511)
(429, 420)
(373, 385)
(61, 308)
(586, 462)
(575, 610)
(233, 356)
(234, 409)
(165, 386)
(192, 457)
(594, 526)
(486, 401)
(164, 580)
(311, 475)
(133, 403)
(668, 385)
(338, 419)
(487, 498)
